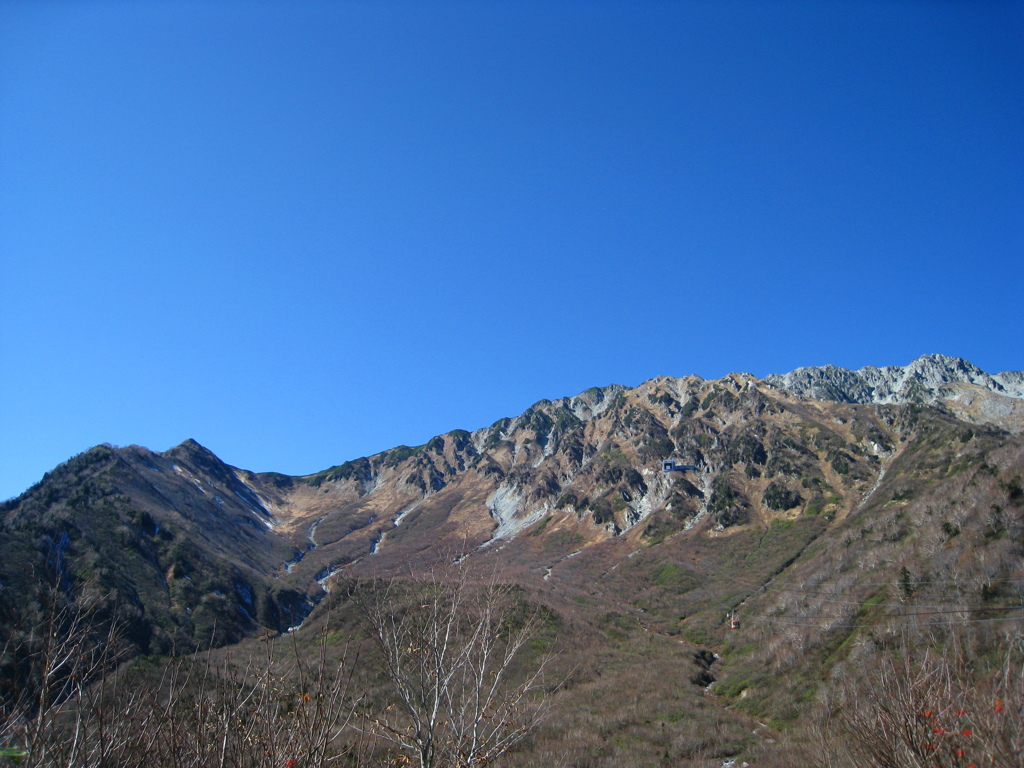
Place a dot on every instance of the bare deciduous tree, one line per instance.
(47, 663)
(63, 703)
(453, 653)
(934, 710)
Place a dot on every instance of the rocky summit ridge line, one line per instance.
(958, 384)
(926, 379)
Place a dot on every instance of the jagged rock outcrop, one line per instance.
(922, 381)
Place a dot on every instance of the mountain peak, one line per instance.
(190, 448)
(922, 380)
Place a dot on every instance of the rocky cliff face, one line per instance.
(938, 380)
(925, 380)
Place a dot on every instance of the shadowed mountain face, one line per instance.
(803, 474)
(176, 540)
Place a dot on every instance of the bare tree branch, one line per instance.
(453, 652)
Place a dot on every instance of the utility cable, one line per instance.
(817, 595)
(867, 626)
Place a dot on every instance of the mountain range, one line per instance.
(819, 482)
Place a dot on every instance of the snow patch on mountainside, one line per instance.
(260, 506)
(190, 477)
(406, 512)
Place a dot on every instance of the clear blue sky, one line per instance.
(302, 232)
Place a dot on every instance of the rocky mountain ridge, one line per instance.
(925, 380)
(203, 544)
(950, 382)
(582, 474)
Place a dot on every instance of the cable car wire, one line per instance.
(757, 619)
(819, 620)
(816, 596)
